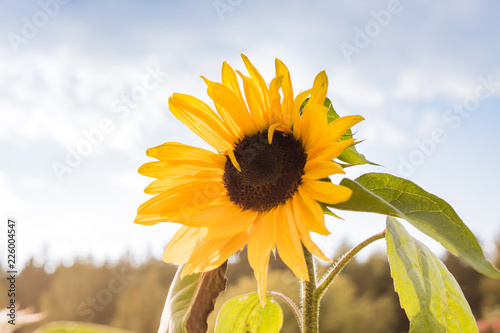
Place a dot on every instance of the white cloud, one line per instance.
(429, 120)
(11, 201)
(385, 133)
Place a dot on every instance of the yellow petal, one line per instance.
(297, 103)
(259, 82)
(227, 102)
(182, 206)
(262, 240)
(303, 232)
(161, 169)
(255, 102)
(289, 245)
(232, 157)
(181, 246)
(275, 100)
(326, 192)
(327, 151)
(309, 212)
(318, 169)
(200, 119)
(279, 127)
(232, 221)
(231, 124)
(339, 126)
(150, 219)
(230, 81)
(207, 180)
(320, 87)
(286, 88)
(261, 276)
(175, 152)
(210, 254)
(310, 128)
(203, 214)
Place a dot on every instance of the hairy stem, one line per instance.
(290, 303)
(328, 279)
(310, 301)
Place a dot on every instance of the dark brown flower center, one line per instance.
(270, 173)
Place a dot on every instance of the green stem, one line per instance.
(310, 301)
(328, 279)
(290, 303)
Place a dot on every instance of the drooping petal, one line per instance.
(210, 254)
(289, 245)
(181, 246)
(303, 232)
(261, 242)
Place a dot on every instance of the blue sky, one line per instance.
(95, 77)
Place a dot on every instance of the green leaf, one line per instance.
(350, 155)
(331, 114)
(244, 314)
(428, 292)
(390, 195)
(191, 299)
(327, 211)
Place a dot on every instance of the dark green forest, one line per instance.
(128, 296)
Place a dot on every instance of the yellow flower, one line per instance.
(264, 186)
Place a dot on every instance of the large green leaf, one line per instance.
(191, 299)
(350, 155)
(390, 195)
(428, 292)
(244, 314)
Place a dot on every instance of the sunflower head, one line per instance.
(268, 174)
(264, 185)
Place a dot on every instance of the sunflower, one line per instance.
(264, 185)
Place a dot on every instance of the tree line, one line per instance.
(128, 296)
